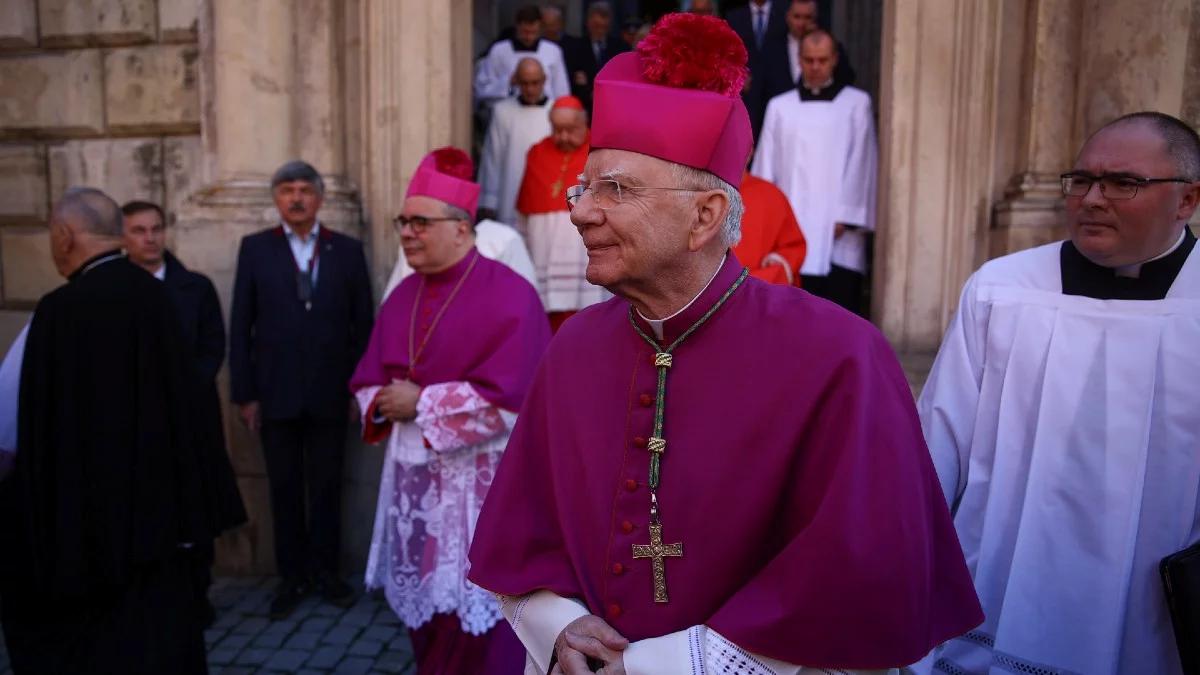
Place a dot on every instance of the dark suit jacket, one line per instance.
(581, 59)
(296, 361)
(762, 81)
(203, 331)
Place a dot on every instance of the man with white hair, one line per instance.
(106, 495)
(681, 493)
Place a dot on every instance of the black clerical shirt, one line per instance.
(1081, 276)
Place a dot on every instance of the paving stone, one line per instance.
(327, 656)
(213, 634)
(386, 617)
(269, 641)
(237, 670)
(228, 620)
(284, 627)
(381, 633)
(401, 643)
(287, 660)
(310, 671)
(221, 656)
(327, 610)
(252, 626)
(341, 635)
(393, 661)
(235, 642)
(254, 657)
(308, 640)
(354, 666)
(316, 624)
(363, 647)
(360, 619)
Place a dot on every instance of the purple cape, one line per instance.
(813, 526)
(491, 335)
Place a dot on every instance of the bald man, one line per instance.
(103, 503)
(517, 123)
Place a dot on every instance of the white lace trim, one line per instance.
(722, 657)
(429, 503)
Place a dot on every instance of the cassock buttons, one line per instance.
(618, 569)
(639, 442)
(646, 400)
(630, 484)
(627, 527)
(614, 610)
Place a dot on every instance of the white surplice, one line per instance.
(1066, 434)
(436, 473)
(493, 72)
(513, 130)
(560, 261)
(493, 240)
(823, 156)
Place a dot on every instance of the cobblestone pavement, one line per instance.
(316, 638)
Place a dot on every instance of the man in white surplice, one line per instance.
(493, 72)
(1063, 415)
(818, 146)
(517, 123)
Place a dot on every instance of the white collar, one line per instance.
(1135, 270)
(161, 272)
(657, 324)
(291, 234)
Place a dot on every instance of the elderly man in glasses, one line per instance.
(1062, 414)
(301, 315)
(559, 257)
(447, 367)
(711, 473)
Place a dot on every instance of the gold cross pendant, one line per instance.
(657, 553)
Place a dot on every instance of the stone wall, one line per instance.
(102, 93)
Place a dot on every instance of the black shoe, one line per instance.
(335, 591)
(289, 595)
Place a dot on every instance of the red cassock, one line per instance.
(770, 234)
(795, 475)
(548, 173)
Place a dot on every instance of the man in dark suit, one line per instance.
(587, 55)
(302, 314)
(762, 26)
(203, 332)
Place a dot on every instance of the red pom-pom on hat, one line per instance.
(692, 51)
(453, 162)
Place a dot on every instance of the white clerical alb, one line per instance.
(514, 129)
(823, 156)
(493, 73)
(1065, 433)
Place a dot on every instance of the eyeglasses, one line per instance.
(418, 223)
(1112, 185)
(608, 193)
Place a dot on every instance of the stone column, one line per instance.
(940, 100)
(1031, 212)
(412, 92)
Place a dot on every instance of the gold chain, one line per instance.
(413, 355)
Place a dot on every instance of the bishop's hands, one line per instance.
(589, 638)
(398, 401)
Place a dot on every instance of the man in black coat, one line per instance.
(762, 26)
(106, 495)
(301, 317)
(203, 331)
(587, 55)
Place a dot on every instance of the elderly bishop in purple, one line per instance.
(710, 473)
(448, 364)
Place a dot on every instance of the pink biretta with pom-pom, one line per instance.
(677, 97)
(445, 174)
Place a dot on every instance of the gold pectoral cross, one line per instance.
(658, 553)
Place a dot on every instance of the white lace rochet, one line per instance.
(436, 473)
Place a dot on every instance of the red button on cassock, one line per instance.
(627, 527)
(614, 611)
(639, 442)
(646, 400)
(618, 569)
(630, 484)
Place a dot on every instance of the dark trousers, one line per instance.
(304, 465)
(842, 285)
